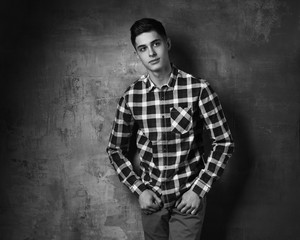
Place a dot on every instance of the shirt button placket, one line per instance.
(164, 134)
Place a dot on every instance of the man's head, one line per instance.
(146, 25)
(151, 43)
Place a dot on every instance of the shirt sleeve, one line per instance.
(118, 147)
(222, 141)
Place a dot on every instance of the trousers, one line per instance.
(171, 224)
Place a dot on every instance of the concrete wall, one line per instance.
(64, 64)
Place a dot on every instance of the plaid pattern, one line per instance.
(169, 138)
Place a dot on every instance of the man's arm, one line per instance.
(222, 141)
(118, 147)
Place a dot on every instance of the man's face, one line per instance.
(153, 50)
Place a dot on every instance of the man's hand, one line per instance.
(189, 203)
(149, 202)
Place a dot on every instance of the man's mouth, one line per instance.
(156, 60)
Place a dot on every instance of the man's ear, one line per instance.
(136, 54)
(169, 43)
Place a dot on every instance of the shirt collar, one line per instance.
(171, 83)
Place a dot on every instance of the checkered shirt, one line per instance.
(170, 123)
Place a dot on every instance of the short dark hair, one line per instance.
(146, 25)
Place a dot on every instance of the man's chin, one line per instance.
(154, 67)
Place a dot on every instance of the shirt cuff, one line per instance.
(200, 188)
(137, 188)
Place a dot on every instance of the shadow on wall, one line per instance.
(227, 193)
(181, 54)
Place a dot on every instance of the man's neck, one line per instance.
(160, 78)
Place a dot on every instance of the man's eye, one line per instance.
(156, 44)
(143, 49)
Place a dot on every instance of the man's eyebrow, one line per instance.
(142, 45)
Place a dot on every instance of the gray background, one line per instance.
(64, 64)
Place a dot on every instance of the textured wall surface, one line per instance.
(64, 64)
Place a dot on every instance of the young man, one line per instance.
(170, 109)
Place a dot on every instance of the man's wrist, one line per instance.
(138, 188)
(200, 188)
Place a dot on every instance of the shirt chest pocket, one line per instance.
(181, 119)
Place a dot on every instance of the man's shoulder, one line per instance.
(190, 79)
(138, 84)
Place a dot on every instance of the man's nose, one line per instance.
(151, 52)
